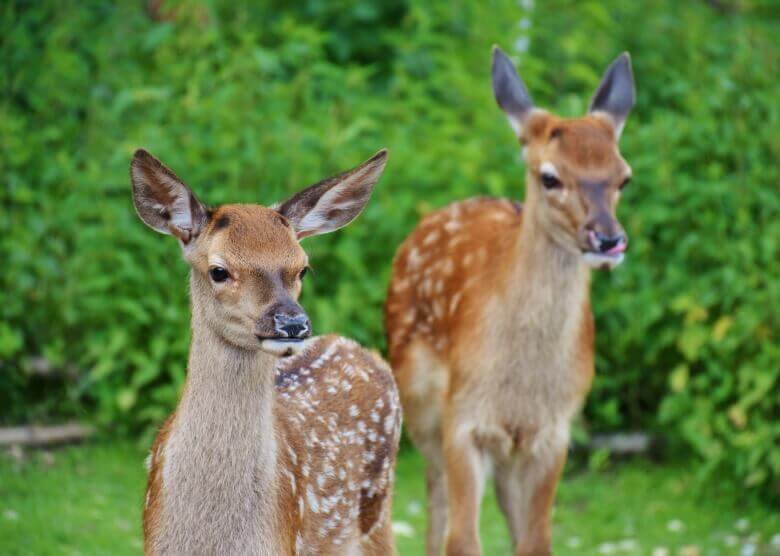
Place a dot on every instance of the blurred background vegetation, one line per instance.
(249, 102)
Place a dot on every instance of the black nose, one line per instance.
(606, 242)
(292, 326)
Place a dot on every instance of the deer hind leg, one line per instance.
(380, 541)
(525, 492)
(437, 509)
(425, 381)
(465, 483)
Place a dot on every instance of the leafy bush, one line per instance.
(252, 102)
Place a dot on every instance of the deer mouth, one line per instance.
(602, 261)
(283, 347)
(604, 253)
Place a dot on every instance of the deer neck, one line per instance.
(229, 392)
(221, 457)
(549, 283)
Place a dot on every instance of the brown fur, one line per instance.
(154, 484)
(490, 334)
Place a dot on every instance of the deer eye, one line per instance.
(625, 183)
(303, 273)
(549, 181)
(218, 274)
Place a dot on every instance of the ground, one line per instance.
(87, 500)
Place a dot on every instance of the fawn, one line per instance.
(281, 443)
(488, 317)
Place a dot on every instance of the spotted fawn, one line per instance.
(281, 443)
(488, 317)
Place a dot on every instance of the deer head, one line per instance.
(247, 262)
(575, 173)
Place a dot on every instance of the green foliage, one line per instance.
(251, 102)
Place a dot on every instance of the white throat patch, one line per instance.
(597, 260)
(281, 348)
(548, 168)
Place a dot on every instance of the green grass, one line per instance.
(87, 500)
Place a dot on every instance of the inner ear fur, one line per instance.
(163, 201)
(334, 202)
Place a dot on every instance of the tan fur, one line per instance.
(490, 335)
(266, 455)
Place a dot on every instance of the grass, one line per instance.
(87, 500)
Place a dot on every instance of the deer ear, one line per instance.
(335, 202)
(615, 96)
(510, 91)
(162, 200)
